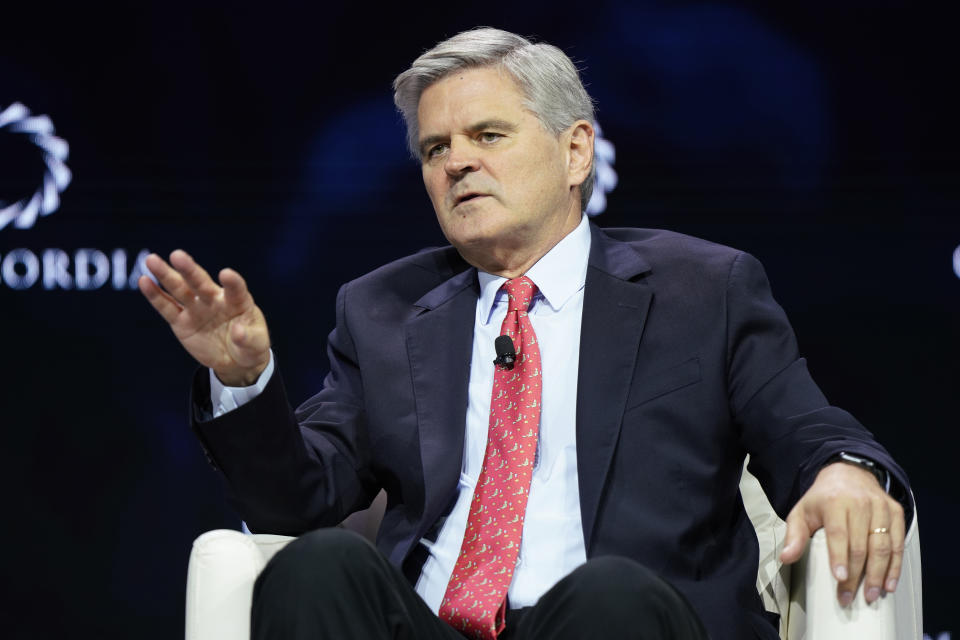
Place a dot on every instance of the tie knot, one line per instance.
(520, 292)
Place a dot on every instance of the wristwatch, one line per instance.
(881, 474)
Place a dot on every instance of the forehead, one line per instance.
(466, 96)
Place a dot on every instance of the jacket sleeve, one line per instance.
(292, 471)
(787, 425)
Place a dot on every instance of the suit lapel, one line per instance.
(439, 345)
(614, 314)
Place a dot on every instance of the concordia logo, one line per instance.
(25, 135)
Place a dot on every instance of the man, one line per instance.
(585, 484)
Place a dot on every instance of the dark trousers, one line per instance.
(332, 583)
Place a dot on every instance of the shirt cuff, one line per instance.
(224, 398)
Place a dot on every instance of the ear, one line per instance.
(580, 151)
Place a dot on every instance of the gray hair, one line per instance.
(544, 74)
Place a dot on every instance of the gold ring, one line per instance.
(880, 530)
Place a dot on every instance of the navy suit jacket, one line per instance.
(686, 365)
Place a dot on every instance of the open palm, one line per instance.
(218, 324)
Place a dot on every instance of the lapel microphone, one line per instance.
(506, 353)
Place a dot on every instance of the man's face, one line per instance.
(500, 183)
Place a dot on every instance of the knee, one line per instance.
(325, 546)
(319, 558)
(632, 601)
(615, 572)
(618, 586)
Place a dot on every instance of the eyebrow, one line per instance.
(493, 123)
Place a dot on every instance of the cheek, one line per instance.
(533, 185)
(539, 170)
(434, 190)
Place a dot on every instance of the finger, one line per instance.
(234, 288)
(195, 276)
(897, 539)
(170, 279)
(795, 540)
(165, 305)
(879, 549)
(858, 529)
(835, 527)
(157, 265)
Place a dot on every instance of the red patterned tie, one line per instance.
(475, 602)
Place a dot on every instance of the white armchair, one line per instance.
(805, 594)
(224, 565)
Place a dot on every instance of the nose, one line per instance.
(461, 159)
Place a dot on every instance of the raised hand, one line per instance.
(219, 325)
(865, 530)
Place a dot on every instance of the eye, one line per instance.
(489, 137)
(436, 151)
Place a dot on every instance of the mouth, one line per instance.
(467, 197)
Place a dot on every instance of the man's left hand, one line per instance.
(865, 530)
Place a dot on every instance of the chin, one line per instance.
(473, 244)
(467, 231)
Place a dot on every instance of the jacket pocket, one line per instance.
(659, 384)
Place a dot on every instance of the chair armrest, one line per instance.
(815, 613)
(224, 564)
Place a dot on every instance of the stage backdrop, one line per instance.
(819, 137)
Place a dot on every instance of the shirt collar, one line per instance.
(559, 274)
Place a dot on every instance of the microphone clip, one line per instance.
(506, 352)
(505, 361)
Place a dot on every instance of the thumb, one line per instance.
(251, 343)
(238, 334)
(798, 533)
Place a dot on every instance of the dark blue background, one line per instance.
(819, 136)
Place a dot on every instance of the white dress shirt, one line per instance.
(552, 545)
